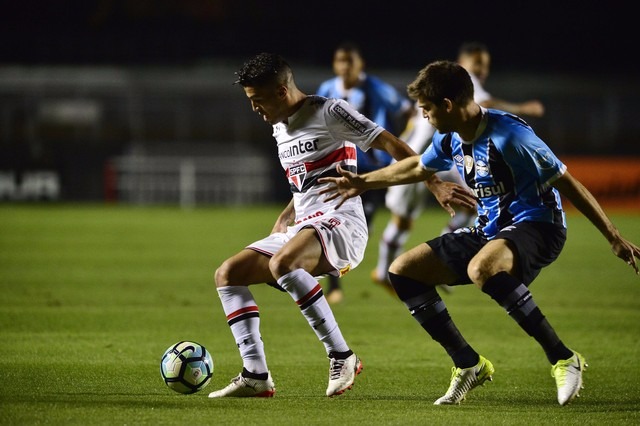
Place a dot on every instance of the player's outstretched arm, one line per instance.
(532, 108)
(448, 194)
(349, 185)
(586, 203)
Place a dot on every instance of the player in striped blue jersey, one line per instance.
(520, 226)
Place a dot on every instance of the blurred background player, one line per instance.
(474, 56)
(380, 102)
(406, 202)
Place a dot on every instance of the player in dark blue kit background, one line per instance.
(378, 101)
(520, 226)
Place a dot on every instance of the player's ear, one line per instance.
(282, 91)
(447, 104)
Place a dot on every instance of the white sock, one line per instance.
(307, 293)
(390, 246)
(243, 318)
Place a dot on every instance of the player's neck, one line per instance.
(296, 100)
(471, 119)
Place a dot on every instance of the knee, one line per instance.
(397, 266)
(478, 271)
(222, 275)
(280, 265)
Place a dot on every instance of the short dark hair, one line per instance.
(264, 69)
(350, 47)
(440, 80)
(470, 47)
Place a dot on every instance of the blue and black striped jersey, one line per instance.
(508, 167)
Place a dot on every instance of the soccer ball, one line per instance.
(186, 367)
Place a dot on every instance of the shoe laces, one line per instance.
(562, 368)
(459, 384)
(239, 380)
(336, 367)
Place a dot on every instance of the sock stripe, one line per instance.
(427, 311)
(242, 314)
(512, 299)
(243, 317)
(309, 298)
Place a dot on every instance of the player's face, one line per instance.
(437, 114)
(348, 66)
(268, 102)
(478, 64)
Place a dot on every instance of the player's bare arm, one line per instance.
(396, 147)
(286, 218)
(349, 184)
(448, 194)
(533, 108)
(586, 203)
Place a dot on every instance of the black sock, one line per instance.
(334, 283)
(516, 299)
(248, 374)
(340, 355)
(429, 310)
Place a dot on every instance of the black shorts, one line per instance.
(536, 244)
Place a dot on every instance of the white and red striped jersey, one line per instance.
(313, 141)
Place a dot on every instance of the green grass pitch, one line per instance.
(91, 296)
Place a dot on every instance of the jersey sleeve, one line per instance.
(534, 155)
(345, 123)
(434, 157)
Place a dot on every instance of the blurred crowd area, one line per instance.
(115, 132)
(133, 101)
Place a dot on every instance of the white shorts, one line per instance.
(410, 200)
(343, 235)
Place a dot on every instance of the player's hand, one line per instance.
(627, 251)
(451, 194)
(343, 187)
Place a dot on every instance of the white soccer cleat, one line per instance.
(568, 375)
(342, 374)
(465, 379)
(245, 387)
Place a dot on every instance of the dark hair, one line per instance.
(470, 47)
(350, 47)
(264, 69)
(440, 80)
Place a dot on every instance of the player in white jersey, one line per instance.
(310, 238)
(474, 56)
(406, 202)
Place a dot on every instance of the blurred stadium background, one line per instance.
(133, 102)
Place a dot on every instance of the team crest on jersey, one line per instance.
(468, 163)
(297, 173)
(543, 158)
(458, 159)
(482, 168)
